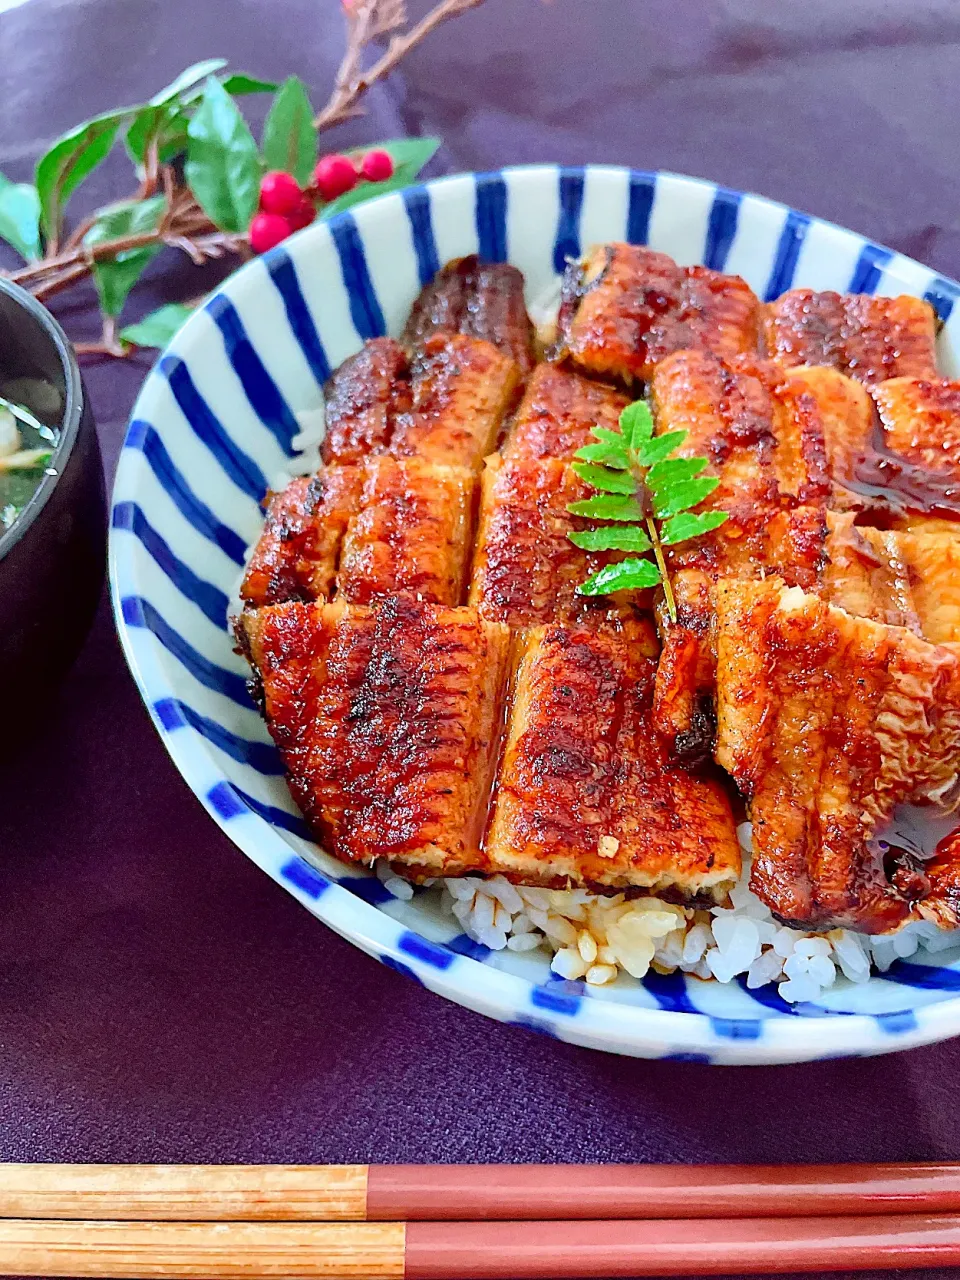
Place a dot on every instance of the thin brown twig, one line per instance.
(362, 23)
(80, 230)
(185, 222)
(108, 345)
(57, 283)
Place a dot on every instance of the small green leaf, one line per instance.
(409, 156)
(70, 160)
(164, 119)
(165, 126)
(20, 217)
(627, 510)
(611, 539)
(289, 138)
(157, 328)
(223, 167)
(660, 447)
(608, 437)
(604, 479)
(236, 84)
(636, 423)
(611, 455)
(187, 78)
(628, 575)
(684, 495)
(239, 82)
(688, 525)
(115, 277)
(672, 470)
(140, 132)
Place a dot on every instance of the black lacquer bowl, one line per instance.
(52, 557)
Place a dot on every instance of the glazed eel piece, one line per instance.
(868, 338)
(827, 722)
(480, 300)
(625, 308)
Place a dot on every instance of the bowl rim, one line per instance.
(617, 1027)
(70, 420)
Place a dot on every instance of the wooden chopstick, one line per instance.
(389, 1193)
(474, 1250)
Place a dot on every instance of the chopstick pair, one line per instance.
(515, 1222)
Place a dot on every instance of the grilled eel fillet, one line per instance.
(383, 526)
(587, 793)
(827, 722)
(387, 722)
(626, 307)
(767, 435)
(478, 299)
(525, 568)
(446, 402)
(558, 413)
(388, 719)
(870, 339)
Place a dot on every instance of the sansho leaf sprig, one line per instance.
(646, 495)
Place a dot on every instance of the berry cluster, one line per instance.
(285, 207)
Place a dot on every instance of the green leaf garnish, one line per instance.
(610, 455)
(629, 538)
(223, 165)
(682, 496)
(626, 509)
(689, 525)
(604, 479)
(636, 423)
(115, 277)
(187, 79)
(627, 575)
(162, 122)
(240, 82)
(157, 328)
(70, 160)
(289, 138)
(654, 494)
(670, 471)
(660, 447)
(20, 217)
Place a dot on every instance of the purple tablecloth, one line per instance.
(160, 998)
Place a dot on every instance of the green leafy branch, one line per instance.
(646, 497)
(197, 169)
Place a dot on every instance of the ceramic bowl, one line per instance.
(53, 556)
(213, 427)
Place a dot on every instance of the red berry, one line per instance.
(334, 175)
(279, 192)
(377, 166)
(303, 215)
(268, 229)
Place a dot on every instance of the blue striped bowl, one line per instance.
(213, 427)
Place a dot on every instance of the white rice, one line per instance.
(595, 938)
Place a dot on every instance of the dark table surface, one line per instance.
(160, 998)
